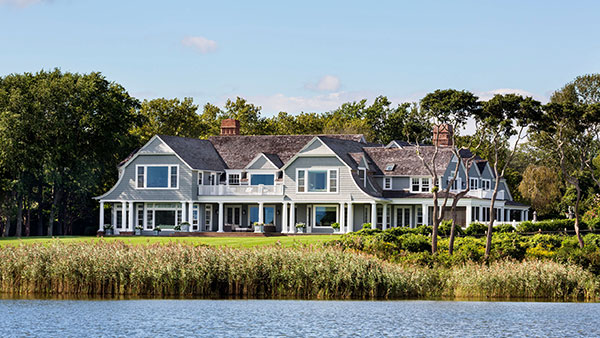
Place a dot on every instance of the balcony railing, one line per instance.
(240, 190)
(487, 194)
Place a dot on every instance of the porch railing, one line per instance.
(487, 194)
(240, 190)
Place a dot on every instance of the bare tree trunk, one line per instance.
(488, 242)
(452, 227)
(436, 222)
(7, 226)
(579, 238)
(28, 222)
(19, 229)
(53, 210)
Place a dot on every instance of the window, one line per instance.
(140, 176)
(474, 183)
(157, 176)
(165, 218)
(419, 215)
(475, 213)
(268, 215)
(149, 219)
(362, 174)
(207, 217)
(333, 181)
(195, 217)
(317, 180)
(321, 180)
(301, 181)
(390, 167)
(420, 184)
(140, 215)
(454, 184)
(264, 179)
(387, 183)
(425, 184)
(212, 178)
(200, 176)
(416, 184)
(325, 215)
(485, 184)
(234, 179)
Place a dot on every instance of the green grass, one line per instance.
(285, 241)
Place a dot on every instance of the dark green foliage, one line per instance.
(415, 243)
(508, 245)
(476, 229)
(446, 226)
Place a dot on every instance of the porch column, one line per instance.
(468, 215)
(113, 213)
(341, 216)
(425, 210)
(221, 218)
(190, 213)
(261, 213)
(350, 226)
(123, 216)
(183, 212)
(131, 216)
(384, 224)
(145, 217)
(292, 217)
(101, 218)
(373, 215)
(284, 218)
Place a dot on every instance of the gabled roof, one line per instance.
(238, 151)
(343, 148)
(198, 154)
(406, 161)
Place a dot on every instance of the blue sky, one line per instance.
(306, 55)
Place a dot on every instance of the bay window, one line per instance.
(157, 176)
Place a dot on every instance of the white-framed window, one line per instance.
(318, 180)
(212, 179)
(262, 179)
(165, 215)
(157, 176)
(420, 184)
(233, 179)
(301, 180)
(419, 215)
(325, 215)
(454, 183)
(387, 183)
(195, 217)
(473, 183)
(362, 176)
(208, 216)
(140, 215)
(200, 177)
(415, 184)
(425, 184)
(485, 184)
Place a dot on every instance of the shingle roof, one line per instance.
(238, 151)
(199, 154)
(275, 159)
(407, 162)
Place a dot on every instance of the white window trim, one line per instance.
(489, 184)
(387, 180)
(328, 179)
(145, 166)
(402, 208)
(239, 173)
(473, 186)
(152, 207)
(314, 215)
(420, 178)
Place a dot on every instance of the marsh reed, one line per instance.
(181, 270)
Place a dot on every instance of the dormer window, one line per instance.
(234, 179)
(390, 167)
(473, 183)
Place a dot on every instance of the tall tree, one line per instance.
(170, 117)
(541, 186)
(445, 109)
(502, 118)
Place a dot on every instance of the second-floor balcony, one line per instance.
(487, 194)
(240, 190)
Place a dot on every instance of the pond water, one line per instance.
(294, 318)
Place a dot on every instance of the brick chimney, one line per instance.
(230, 127)
(442, 135)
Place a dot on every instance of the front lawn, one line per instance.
(213, 241)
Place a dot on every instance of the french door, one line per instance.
(403, 214)
(233, 215)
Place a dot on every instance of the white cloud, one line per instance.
(327, 83)
(200, 43)
(22, 3)
(484, 96)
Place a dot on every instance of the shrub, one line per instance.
(366, 226)
(476, 229)
(446, 226)
(549, 225)
(415, 243)
(549, 242)
(508, 245)
(469, 249)
(506, 227)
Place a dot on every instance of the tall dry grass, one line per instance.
(115, 268)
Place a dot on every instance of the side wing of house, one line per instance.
(154, 173)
